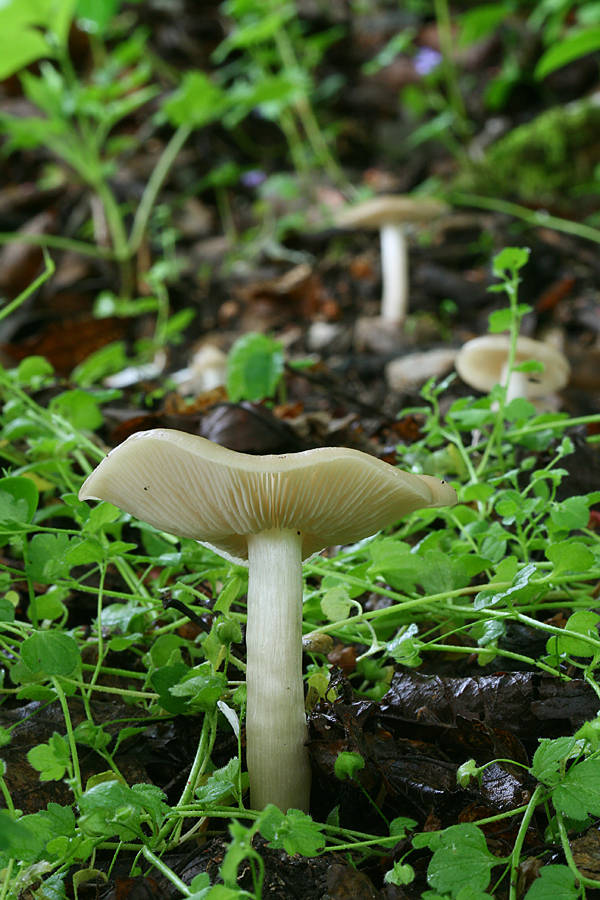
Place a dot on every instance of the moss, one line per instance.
(542, 161)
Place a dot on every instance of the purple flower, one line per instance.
(426, 60)
(252, 178)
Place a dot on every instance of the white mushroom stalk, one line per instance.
(269, 513)
(394, 273)
(517, 384)
(392, 215)
(275, 722)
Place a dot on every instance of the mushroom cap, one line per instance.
(480, 363)
(194, 488)
(390, 209)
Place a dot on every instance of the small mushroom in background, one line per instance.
(412, 370)
(483, 363)
(206, 371)
(268, 513)
(392, 215)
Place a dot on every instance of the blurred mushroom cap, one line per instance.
(480, 363)
(390, 209)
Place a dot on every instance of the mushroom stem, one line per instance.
(276, 731)
(517, 384)
(394, 273)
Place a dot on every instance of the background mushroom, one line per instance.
(270, 512)
(483, 362)
(392, 214)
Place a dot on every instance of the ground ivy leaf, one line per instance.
(83, 552)
(50, 759)
(336, 603)
(110, 808)
(7, 610)
(165, 678)
(46, 557)
(461, 856)
(203, 689)
(222, 784)
(578, 795)
(294, 831)
(152, 799)
(50, 653)
(581, 622)
(347, 763)
(18, 499)
(569, 556)
(549, 758)
(435, 572)
(519, 588)
(557, 882)
(395, 563)
(100, 516)
(572, 514)
(79, 408)
(254, 367)
(17, 840)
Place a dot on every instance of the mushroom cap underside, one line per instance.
(480, 363)
(389, 209)
(186, 485)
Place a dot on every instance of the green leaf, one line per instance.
(405, 646)
(16, 839)
(550, 759)
(554, 881)
(33, 371)
(499, 320)
(295, 832)
(569, 48)
(461, 857)
(347, 763)
(51, 759)
(165, 678)
(436, 572)
(578, 795)
(196, 102)
(336, 603)
(204, 688)
(50, 653)
(222, 785)
(18, 499)
(83, 552)
(394, 561)
(107, 361)
(478, 23)
(520, 588)
(569, 556)
(572, 514)
(109, 809)
(79, 408)
(240, 848)
(24, 26)
(94, 16)
(50, 605)
(400, 873)
(46, 557)
(510, 260)
(581, 622)
(401, 825)
(254, 367)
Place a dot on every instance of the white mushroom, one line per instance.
(391, 214)
(269, 512)
(483, 362)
